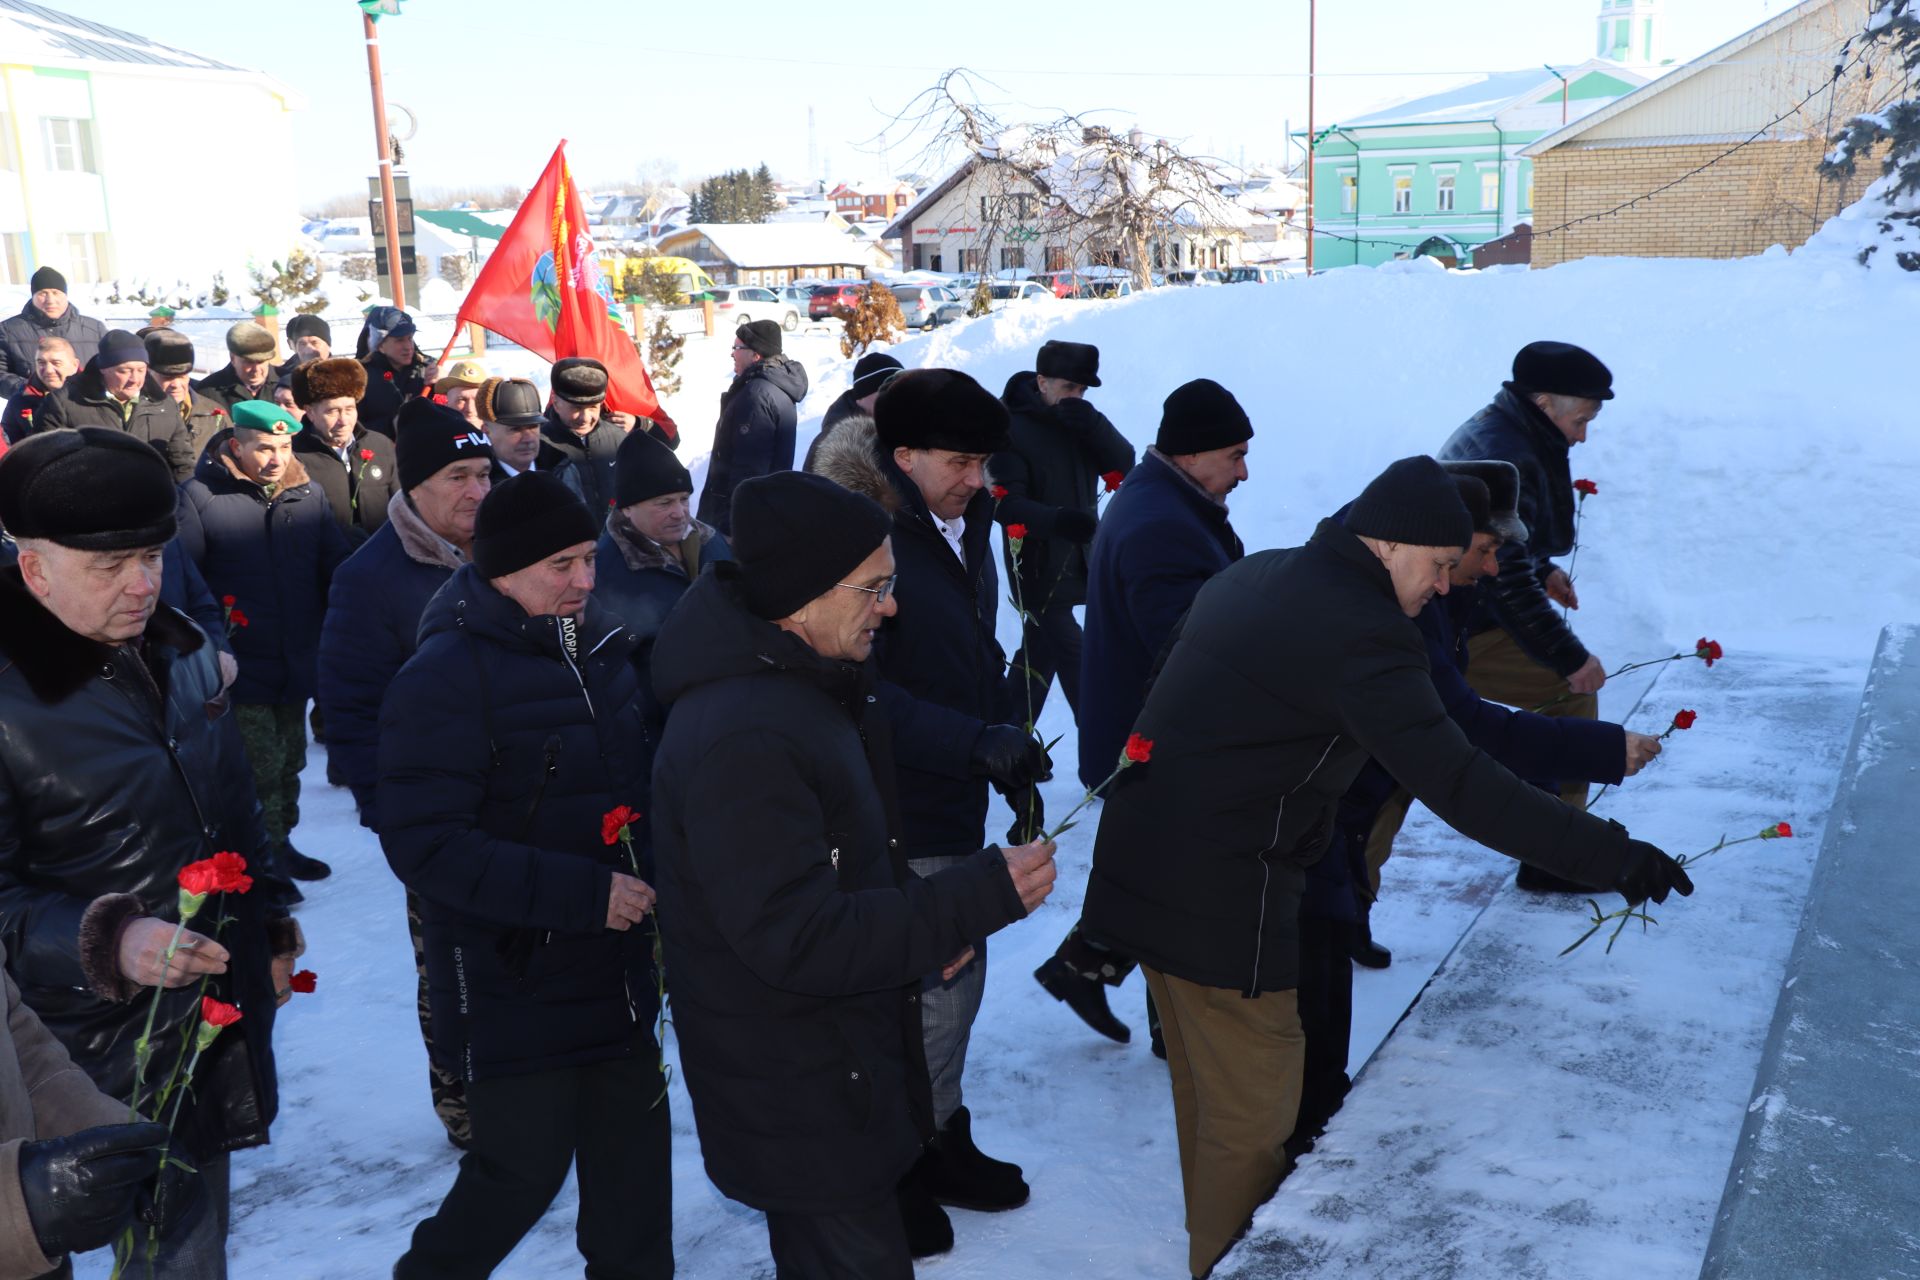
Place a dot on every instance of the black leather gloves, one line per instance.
(1074, 526)
(80, 1189)
(1011, 757)
(1649, 873)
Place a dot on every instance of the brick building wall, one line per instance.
(1764, 194)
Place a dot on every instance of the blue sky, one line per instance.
(495, 83)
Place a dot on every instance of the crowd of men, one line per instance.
(744, 760)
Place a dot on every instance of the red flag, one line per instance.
(543, 288)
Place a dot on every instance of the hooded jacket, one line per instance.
(118, 767)
(1514, 430)
(388, 387)
(1055, 464)
(504, 742)
(795, 936)
(274, 551)
(152, 416)
(943, 675)
(1260, 722)
(20, 340)
(372, 627)
(759, 412)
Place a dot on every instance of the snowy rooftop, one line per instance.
(34, 35)
(1477, 100)
(780, 244)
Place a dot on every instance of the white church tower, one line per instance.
(1630, 32)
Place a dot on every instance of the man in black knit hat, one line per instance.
(505, 742)
(1326, 668)
(1524, 653)
(796, 936)
(47, 313)
(870, 373)
(653, 548)
(758, 413)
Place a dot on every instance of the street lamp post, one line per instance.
(390, 208)
(1313, 17)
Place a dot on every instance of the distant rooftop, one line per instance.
(1476, 100)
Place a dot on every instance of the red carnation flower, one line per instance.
(1585, 488)
(1139, 749)
(1779, 831)
(1017, 532)
(1709, 650)
(1684, 719)
(388, 376)
(227, 601)
(613, 826)
(222, 873)
(218, 1013)
(366, 455)
(999, 492)
(1111, 479)
(238, 617)
(304, 982)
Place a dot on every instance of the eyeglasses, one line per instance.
(879, 593)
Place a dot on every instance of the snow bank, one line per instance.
(1755, 475)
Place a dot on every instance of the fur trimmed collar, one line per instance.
(292, 478)
(641, 552)
(55, 662)
(417, 540)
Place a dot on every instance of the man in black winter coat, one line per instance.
(1258, 723)
(396, 368)
(116, 390)
(53, 365)
(796, 936)
(48, 313)
(653, 549)
(249, 371)
(870, 372)
(120, 766)
(1165, 534)
(170, 357)
(1063, 452)
(267, 543)
(1524, 654)
(578, 442)
(759, 411)
(353, 466)
(944, 684)
(507, 743)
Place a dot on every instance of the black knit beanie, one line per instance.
(47, 278)
(759, 336)
(1199, 417)
(870, 371)
(428, 436)
(92, 489)
(306, 326)
(524, 520)
(1415, 502)
(940, 409)
(118, 347)
(795, 535)
(644, 469)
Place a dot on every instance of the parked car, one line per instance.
(796, 296)
(1020, 293)
(1066, 284)
(836, 293)
(736, 304)
(921, 304)
(1257, 275)
(1113, 288)
(1190, 278)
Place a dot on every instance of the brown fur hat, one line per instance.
(319, 380)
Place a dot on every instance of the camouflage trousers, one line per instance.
(449, 1091)
(275, 735)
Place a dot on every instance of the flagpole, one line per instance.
(388, 205)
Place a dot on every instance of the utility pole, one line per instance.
(1564, 87)
(1313, 17)
(389, 207)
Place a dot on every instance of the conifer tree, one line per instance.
(1896, 200)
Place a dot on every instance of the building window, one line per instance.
(1443, 195)
(1489, 189)
(972, 260)
(1403, 193)
(1013, 259)
(1349, 192)
(83, 256)
(69, 145)
(1057, 259)
(14, 264)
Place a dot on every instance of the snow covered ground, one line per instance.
(1535, 1115)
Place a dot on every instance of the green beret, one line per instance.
(160, 313)
(264, 415)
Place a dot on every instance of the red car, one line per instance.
(1065, 284)
(826, 297)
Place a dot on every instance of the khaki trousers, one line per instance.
(1500, 669)
(1237, 1067)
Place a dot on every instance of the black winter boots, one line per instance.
(954, 1172)
(1085, 996)
(929, 1230)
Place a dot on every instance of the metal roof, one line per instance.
(36, 35)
